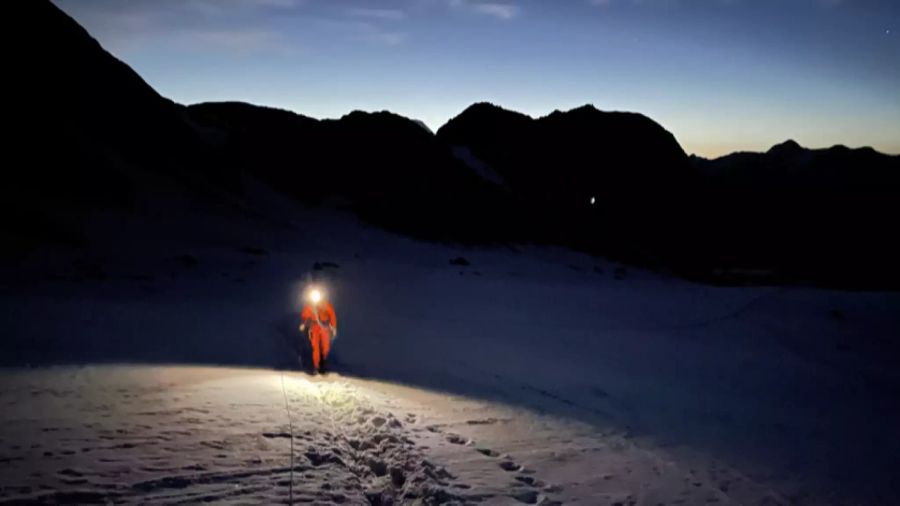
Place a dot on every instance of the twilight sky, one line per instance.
(722, 75)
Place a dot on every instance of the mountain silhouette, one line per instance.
(590, 153)
(788, 164)
(92, 135)
(386, 167)
(821, 214)
(604, 181)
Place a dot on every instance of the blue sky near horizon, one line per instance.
(721, 75)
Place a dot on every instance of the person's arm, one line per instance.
(332, 316)
(333, 320)
(305, 315)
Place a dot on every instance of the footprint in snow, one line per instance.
(457, 439)
(510, 466)
(528, 480)
(526, 496)
(378, 467)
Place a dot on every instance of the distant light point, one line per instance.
(593, 200)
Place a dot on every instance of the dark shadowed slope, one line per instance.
(568, 157)
(387, 168)
(619, 184)
(824, 215)
(96, 137)
(91, 133)
(632, 168)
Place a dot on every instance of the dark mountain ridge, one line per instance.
(822, 214)
(613, 183)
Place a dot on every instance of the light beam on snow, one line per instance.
(299, 384)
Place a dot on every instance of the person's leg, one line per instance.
(326, 345)
(315, 338)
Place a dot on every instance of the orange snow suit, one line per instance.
(319, 329)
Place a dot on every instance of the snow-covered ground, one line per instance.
(533, 375)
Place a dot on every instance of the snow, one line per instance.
(533, 375)
(465, 155)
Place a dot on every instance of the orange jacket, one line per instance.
(326, 314)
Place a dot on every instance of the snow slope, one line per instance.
(531, 375)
